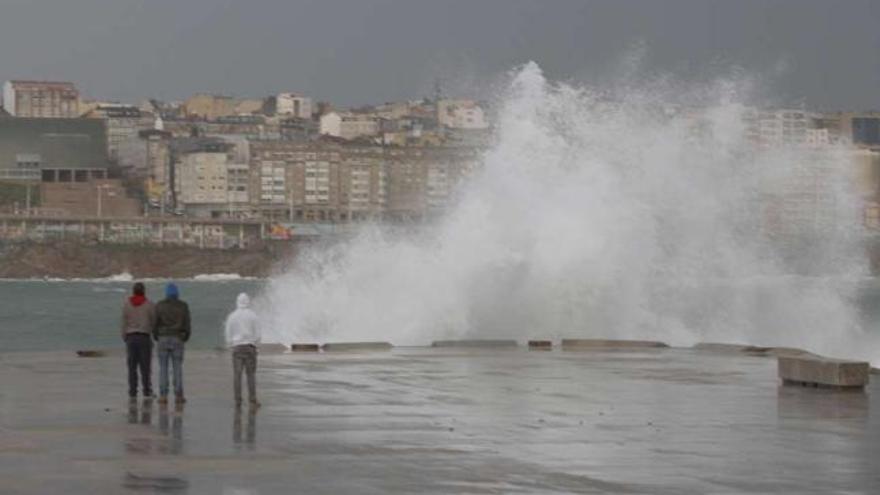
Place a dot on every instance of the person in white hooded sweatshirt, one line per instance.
(243, 336)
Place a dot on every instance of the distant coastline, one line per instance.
(72, 260)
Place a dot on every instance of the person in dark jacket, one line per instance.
(137, 324)
(171, 330)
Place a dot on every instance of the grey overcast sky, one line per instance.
(821, 53)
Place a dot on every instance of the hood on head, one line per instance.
(171, 291)
(243, 301)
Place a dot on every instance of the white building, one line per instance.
(348, 125)
(201, 178)
(41, 99)
(770, 128)
(817, 138)
(293, 105)
(207, 183)
(461, 114)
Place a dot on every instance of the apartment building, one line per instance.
(293, 105)
(349, 125)
(338, 182)
(770, 128)
(209, 107)
(317, 181)
(41, 99)
(208, 180)
(461, 114)
(123, 123)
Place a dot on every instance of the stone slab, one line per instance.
(779, 351)
(356, 346)
(540, 345)
(272, 348)
(475, 343)
(722, 347)
(92, 353)
(305, 347)
(826, 372)
(587, 344)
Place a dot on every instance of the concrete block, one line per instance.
(271, 348)
(819, 371)
(751, 349)
(598, 344)
(356, 346)
(540, 345)
(305, 347)
(91, 353)
(722, 347)
(480, 343)
(779, 351)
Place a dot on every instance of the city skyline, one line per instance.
(386, 50)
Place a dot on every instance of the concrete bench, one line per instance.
(272, 348)
(780, 352)
(305, 347)
(356, 346)
(750, 349)
(481, 343)
(817, 371)
(601, 344)
(722, 347)
(540, 345)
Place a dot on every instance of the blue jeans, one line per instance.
(170, 347)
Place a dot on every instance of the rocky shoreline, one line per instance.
(78, 260)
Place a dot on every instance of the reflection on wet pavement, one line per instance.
(250, 436)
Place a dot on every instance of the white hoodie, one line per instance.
(242, 325)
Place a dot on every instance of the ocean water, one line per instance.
(70, 315)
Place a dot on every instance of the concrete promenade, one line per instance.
(429, 420)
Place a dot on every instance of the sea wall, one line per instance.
(68, 259)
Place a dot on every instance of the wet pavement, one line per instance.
(421, 420)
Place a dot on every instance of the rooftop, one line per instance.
(43, 84)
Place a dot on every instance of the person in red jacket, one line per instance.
(138, 317)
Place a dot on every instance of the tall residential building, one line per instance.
(349, 125)
(209, 107)
(293, 105)
(461, 114)
(123, 123)
(147, 159)
(769, 128)
(208, 179)
(317, 181)
(42, 99)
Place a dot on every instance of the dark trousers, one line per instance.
(244, 357)
(139, 352)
